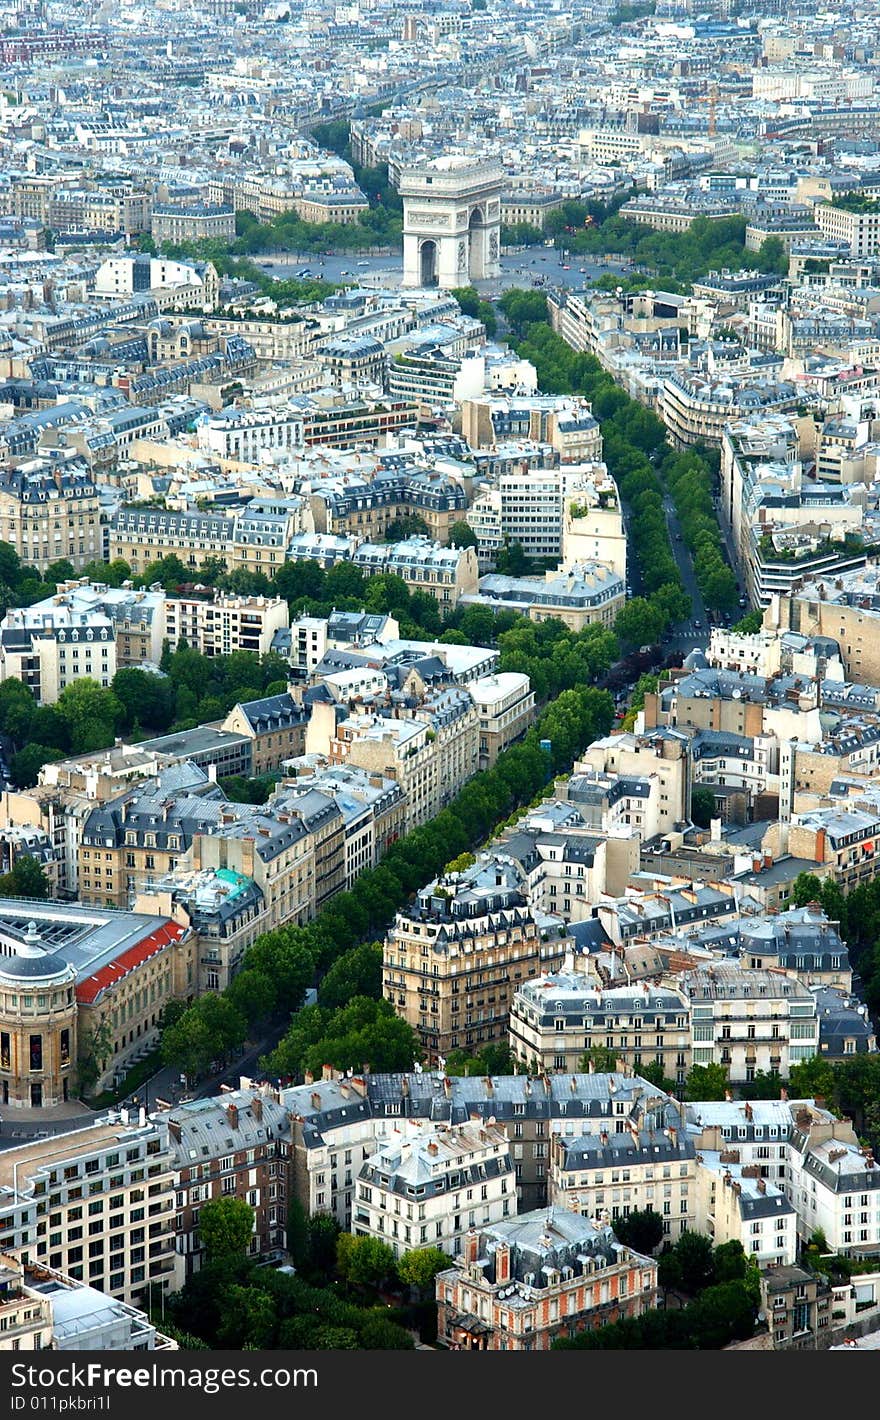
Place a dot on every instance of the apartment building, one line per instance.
(226, 622)
(506, 706)
(445, 573)
(565, 422)
(697, 409)
(98, 210)
(532, 507)
(797, 1305)
(608, 1176)
(275, 726)
(736, 1203)
(750, 1020)
(860, 229)
(753, 1133)
(47, 513)
(549, 1273)
(196, 222)
(242, 434)
(227, 1147)
(85, 630)
(663, 756)
(592, 525)
(43, 1310)
(567, 865)
(555, 1018)
(842, 841)
(398, 485)
(143, 535)
(142, 831)
(96, 1204)
(335, 1121)
(585, 594)
(453, 960)
(843, 607)
(428, 1185)
(431, 752)
(834, 1183)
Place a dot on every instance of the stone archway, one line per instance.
(476, 245)
(428, 263)
(451, 222)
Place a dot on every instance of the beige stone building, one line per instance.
(663, 755)
(592, 527)
(431, 752)
(46, 515)
(453, 961)
(38, 1027)
(97, 1205)
(609, 1175)
(276, 726)
(225, 623)
(555, 1018)
(445, 573)
(506, 706)
(845, 608)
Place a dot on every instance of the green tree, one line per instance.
(248, 1320)
(226, 1226)
(323, 1237)
(653, 1072)
(92, 714)
(356, 973)
(688, 1266)
(298, 1233)
(17, 705)
(418, 1268)
(365, 1262)
(24, 767)
(95, 1049)
(730, 1262)
(703, 808)
(641, 1230)
(26, 878)
(146, 699)
(461, 534)
(706, 1082)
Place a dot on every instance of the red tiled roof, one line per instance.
(89, 990)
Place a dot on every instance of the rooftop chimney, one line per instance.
(232, 1115)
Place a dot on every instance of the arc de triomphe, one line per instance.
(451, 222)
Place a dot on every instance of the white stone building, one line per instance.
(426, 1186)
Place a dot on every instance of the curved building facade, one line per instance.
(38, 1013)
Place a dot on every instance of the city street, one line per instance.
(687, 635)
(517, 268)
